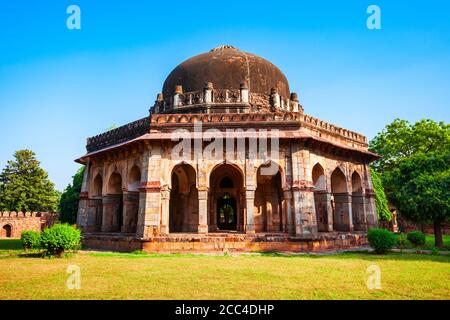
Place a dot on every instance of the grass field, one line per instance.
(270, 276)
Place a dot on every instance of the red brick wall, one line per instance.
(22, 221)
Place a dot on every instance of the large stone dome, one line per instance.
(227, 67)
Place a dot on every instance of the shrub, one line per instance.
(59, 238)
(381, 240)
(417, 238)
(402, 240)
(31, 240)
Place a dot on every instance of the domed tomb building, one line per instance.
(226, 160)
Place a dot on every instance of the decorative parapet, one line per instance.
(119, 135)
(282, 118)
(211, 97)
(14, 214)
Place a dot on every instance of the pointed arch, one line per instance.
(340, 201)
(358, 214)
(320, 198)
(183, 203)
(134, 179)
(6, 231)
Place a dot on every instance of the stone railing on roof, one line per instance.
(119, 135)
(14, 214)
(258, 101)
(282, 117)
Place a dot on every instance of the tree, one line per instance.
(415, 170)
(68, 205)
(24, 185)
(423, 190)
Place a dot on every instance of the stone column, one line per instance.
(370, 211)
(343, 209)
(165, 207)
(203, 209)
(250, 209)
(289, 225)
(269, 209)
(82, 216)
(130, 210)
(303, 196)
(150, 193)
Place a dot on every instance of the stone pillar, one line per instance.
(82, 216)
(359, 217)
(289, 225)
(250, 209)
(294, 102)
(303, 195)
(176, 97)
(130, 211)
(111, 213)
(150, 193)
(165, 207)
(203, 210)
(370, 211)
(208, 92)
(244, 92)
(269, 209)
(343, 212)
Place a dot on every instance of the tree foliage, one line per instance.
(25, 186)
(415, 170)
(68, 205)
(381, 201)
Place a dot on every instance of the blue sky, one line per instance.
(59, 86)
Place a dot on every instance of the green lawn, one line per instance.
(270, 276)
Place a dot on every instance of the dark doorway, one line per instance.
(6, 231)
(226, 213)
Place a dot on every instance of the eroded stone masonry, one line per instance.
(227, 159)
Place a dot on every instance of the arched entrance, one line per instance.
(96, 204)
(131, 201)
(357, 203)
(268, 199)
(226, 199)
(113, 205)
(226, 213)
(320, 198)
(183, 204)
(6, 231)
(341, 201)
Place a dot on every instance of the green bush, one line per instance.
(60, 238)
(402, 241)
(417, 238)
(381, 240)
(31, 240)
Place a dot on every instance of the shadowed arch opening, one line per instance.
(268, 213)
(6, 231)
(95, 215)
(97, 186)
(358, 215)
(226, 199)
(183, 204)
(320, 198)
(113, 205)
(131, 200)
(340, 201)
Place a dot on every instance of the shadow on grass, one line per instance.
(365, 255)
(10, 244)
